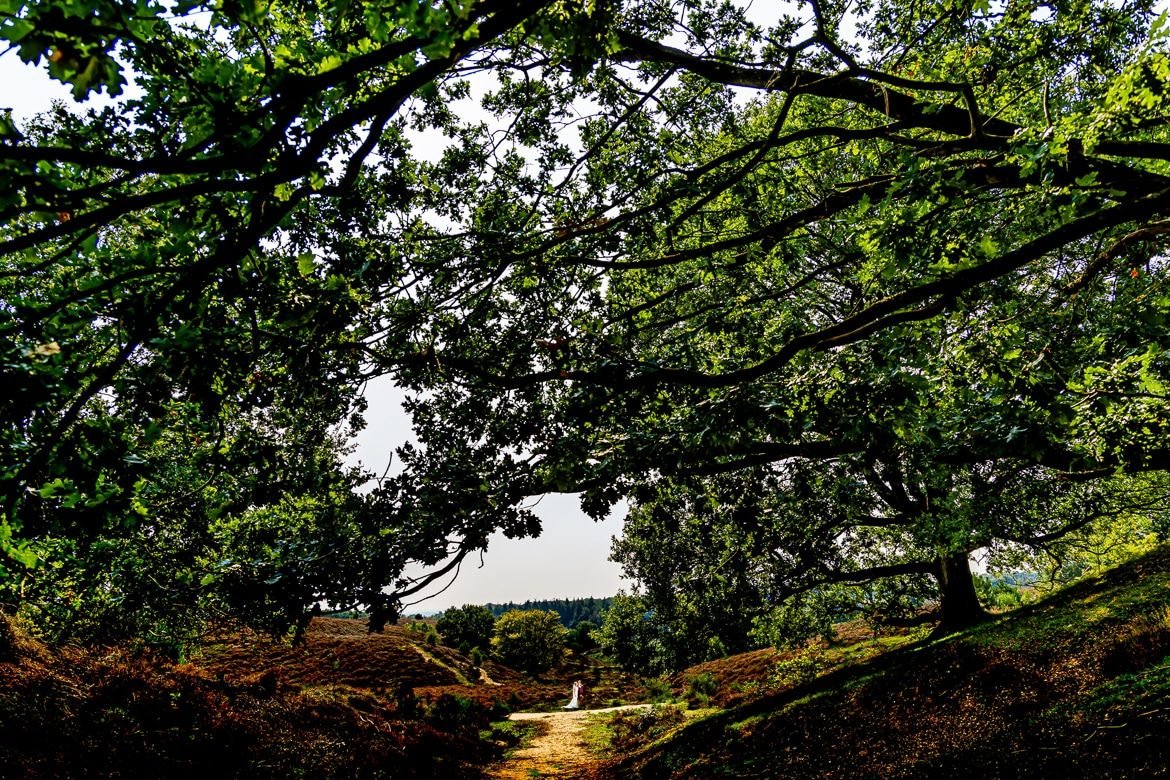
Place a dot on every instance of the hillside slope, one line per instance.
(344, 704)
(260, 710)
(1076, 686)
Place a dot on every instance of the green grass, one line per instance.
(516, 735)
(598, 733)
(1090, 605)
(1148, 688)
(748, 723)
(1080, 678)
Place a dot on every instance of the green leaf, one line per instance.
(1159, 28)
(329, 63)
(22, 555)
(54, 488)
(16, 30)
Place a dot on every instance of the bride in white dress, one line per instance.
(574, 703)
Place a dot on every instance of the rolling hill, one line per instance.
(1075, 686)
(344, 704)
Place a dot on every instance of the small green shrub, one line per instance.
(998, 594)
(658, 690)
(701, 688)
(633, 729)
(511, 734)
(467, 626)
(801, 668)
(743, 687)
(530, 640)
(452, 712)
(407, 705)
(500, 710)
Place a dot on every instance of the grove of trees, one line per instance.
(531, 640)
(724, 564)
(833, 291)
(467, 627)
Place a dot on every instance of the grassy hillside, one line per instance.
(1075, 686)
(345, 704)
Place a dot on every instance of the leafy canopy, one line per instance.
(191, 279)
(688, 242)
(927, 260)
(530, 640)
(470, 625)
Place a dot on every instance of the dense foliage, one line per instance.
(731, 557)
(634, 635)
(873, 266)
(192, 278)
(571, 611)
(531, 640)
(467, 627)
(871, 306)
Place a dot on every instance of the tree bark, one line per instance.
(956, 590)
(7, 641)
(383, 609)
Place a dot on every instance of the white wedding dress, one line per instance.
(573, 703)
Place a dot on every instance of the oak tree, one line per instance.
(689, 242)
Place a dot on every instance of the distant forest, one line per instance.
(572, 611)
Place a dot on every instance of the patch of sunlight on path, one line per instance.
(558, 751)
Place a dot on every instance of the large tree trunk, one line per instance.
(383, 610)
(956, 590)
(7, 640)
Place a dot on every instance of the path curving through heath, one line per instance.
(556, 752)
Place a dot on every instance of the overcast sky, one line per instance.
(569, 560)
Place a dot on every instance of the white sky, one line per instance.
(569, 559)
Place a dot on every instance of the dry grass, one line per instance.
(343, 704)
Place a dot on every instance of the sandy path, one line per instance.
(558, 751)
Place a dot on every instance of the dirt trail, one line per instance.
(558, 750)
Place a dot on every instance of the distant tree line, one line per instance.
(571, 611)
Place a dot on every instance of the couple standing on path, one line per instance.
(578, 689)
